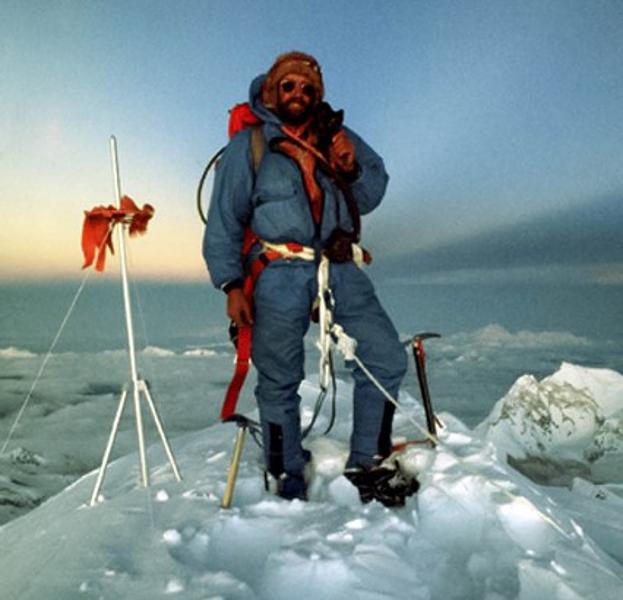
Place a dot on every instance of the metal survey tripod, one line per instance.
(137, 385)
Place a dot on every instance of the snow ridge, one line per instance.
(477, 529)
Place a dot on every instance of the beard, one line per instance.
(295, 111)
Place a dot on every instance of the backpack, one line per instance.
(240, 117)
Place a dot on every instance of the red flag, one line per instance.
(99, 223)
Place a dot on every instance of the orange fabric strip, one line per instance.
(99, 223)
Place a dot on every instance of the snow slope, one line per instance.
(477, 529)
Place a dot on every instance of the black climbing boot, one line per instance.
(389, 486)
(290, 486)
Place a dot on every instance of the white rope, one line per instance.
(325, 322)
(348, 345)
(331, 332)
(44, 363)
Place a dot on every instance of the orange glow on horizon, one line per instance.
(165, 252)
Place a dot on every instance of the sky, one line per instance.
(500, 123)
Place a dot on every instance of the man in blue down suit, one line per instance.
(287, 200)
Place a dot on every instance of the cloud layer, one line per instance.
(587, 237)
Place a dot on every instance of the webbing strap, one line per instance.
(245, 334)
(243, 356)
(289, 250)
(243, 346)
(257, 147)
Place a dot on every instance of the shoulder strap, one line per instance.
(258, 146)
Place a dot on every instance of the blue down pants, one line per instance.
(283, 298)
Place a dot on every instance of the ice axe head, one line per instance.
(419, 337)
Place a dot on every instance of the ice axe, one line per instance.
(244, 424)
(417, 344)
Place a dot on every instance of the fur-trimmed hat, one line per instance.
(286, 64)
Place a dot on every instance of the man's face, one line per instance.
(295, 99)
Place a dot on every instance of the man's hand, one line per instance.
(238, 308)
(342, 152)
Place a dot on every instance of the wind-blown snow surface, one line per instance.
(477, 529)
(63, 430)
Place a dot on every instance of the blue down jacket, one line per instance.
(274, 201)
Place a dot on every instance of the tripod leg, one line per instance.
(163, 437)
(141, 436)
(109, 445)
(233, 469)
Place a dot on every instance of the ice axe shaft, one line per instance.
(233, 468)
(419, 355)
(243, 424)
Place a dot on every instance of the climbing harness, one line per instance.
(331, 334)
(244, 335)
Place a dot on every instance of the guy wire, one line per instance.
(48, 355)
(45, 362)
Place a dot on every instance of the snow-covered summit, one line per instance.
(476, 530)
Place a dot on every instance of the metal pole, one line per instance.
(122, 257)
(163, 437)
(141, 438)
(128, 316)
(111, 441)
